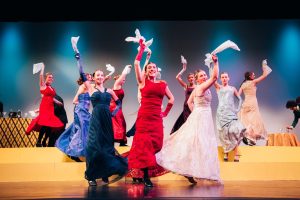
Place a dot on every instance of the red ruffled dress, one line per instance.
(119, 123)
(46, 115)
(148, 138)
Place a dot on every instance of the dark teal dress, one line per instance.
(101, 158)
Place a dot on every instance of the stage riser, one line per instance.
(248, 154)
(75, 171)
(49, 164)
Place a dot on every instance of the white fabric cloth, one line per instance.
(37, 67)
(74, 41)
(225, 45)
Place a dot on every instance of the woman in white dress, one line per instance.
(192, 150)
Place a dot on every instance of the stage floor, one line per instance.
(162, 190)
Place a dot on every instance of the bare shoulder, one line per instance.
(109, 90)
(163, 81)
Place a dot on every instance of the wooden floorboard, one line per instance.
(162, 190)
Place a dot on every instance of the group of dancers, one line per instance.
(191, 149)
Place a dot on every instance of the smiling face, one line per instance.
(49, 79)
(151, 70)
(201, 76)
(98, 77)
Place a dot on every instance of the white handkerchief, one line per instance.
(148, 44)
(37, 67)
(183, 60)
(225, 45)
(74, 41)
(137, 37)
(32, 113)
(127, 69)
(110, 68)
(265, 67)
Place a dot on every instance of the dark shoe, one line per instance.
(148, 183)
(191, 180)
(75, 159)
(236, 158)
(123, 145)
(105, 179)
(92, 183)
(251, 142)
(44, 143)
(137, 180)
(38, 145)
(225, 159)
(119, 177)
(245, 141)
(248, 141)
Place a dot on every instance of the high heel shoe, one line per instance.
(191, 179)
(105, 179)
(92, 183)
(236, 158)
(148, 183)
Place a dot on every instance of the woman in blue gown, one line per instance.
(73, 140)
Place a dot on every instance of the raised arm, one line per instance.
(126, 70)
(266, 71)
(178, 76)
(42, 81)
(214, 75)
(106, 78)
(82, 74)
(138, 72)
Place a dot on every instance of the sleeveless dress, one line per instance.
(73, 140)
(148, 137)
(185, 113)
(46, 115)
(231, 130)
(249, 114)
(193, 150)
(119, 124)
(101, 158)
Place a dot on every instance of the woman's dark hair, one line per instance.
(290, 104)
(247, 77)
(224, 73)
(190, 74)
(79, 81)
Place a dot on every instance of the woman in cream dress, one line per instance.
(249, 113)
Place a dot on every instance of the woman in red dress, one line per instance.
(148, 137)
(46, 118)
(119, 123)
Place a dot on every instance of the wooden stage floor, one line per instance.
(162, 190)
